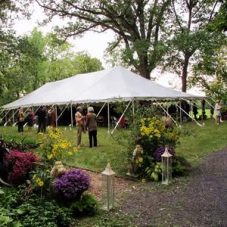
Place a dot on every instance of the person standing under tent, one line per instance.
(80, 119)
(203, 106)
(52, 117)
(91, 125)
(20, 120)
(42, 119)
(30, 118)
(217, 112)
(195, 110)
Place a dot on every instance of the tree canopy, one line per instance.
(29, 61)
(136, 24)
(147, 33)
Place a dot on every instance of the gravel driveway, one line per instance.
(199, 200)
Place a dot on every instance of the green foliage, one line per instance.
(6, 220)
(52, 214)
(87, 205)
(16, 142)
(181, 167)
(83, 63)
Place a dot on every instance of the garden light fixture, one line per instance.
(108, 176)
(166, 166)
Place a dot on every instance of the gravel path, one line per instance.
(199, 200)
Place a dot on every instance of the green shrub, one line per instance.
(87, 205)
(16, 142)
(6, 220)
(181, 166)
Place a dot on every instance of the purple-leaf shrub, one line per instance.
(159, 151)
(19, 165)
(72, 184)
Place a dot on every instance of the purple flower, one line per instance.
(71, 184)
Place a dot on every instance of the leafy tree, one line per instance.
(138, 26)
(220, 19)
(31, 65)
(191, 36)
(83, 63)
(11, 10)
(30, 61)
(211, 72)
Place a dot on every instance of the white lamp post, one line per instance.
(108, 176)
(166, 167)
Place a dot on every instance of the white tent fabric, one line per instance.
(116, 84)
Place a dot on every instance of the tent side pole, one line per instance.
(181, 120)
(5, 116)
(13, 117)
(120, 118)
(61, 112)
(56, 113)
(133, 108)
(166, 112)
(71, 112)
(101, 109)
(108, 116)
(190, 116)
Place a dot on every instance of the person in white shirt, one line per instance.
(217, 111)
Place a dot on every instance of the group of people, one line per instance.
(46, 117)
(42, 117)
(86, 123)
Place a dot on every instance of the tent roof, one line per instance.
(116, 84)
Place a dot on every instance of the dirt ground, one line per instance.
(199, 200)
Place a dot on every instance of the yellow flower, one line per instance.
(49, 156)
(140, 159)
(39, 182)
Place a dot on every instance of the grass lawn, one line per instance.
(195, 143)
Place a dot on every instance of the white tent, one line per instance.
(116, 84)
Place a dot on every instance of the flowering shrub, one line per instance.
(153, 134)
(19, 165)
(55, 147)
(71, 185)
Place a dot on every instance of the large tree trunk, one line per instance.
(184, 74)
(143, 67)
(144, 72)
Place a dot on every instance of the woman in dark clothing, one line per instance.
(20, 121)
(91, 125)
(42, 119)
(30, 118)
